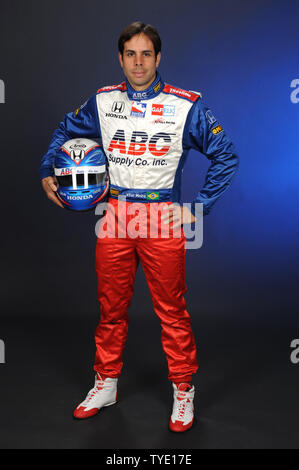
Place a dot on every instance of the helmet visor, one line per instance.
(79, 179)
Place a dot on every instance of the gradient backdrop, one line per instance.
(243, 282)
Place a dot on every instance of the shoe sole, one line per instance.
(183, 430)
(180, 432)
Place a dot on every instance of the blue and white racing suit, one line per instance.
(146, 137)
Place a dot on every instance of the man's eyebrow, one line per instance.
(131, 50)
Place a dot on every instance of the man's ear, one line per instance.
(120, 59)
(158, 59)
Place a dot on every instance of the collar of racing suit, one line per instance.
(152, 91)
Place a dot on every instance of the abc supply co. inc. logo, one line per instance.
(2, 92)
(294, 96)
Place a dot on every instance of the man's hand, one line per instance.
(177, 214)
(50, 185)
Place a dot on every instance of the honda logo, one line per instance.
(118, 107)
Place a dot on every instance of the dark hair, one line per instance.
(137, 28)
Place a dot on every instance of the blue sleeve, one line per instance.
(83, 122)
(203, 132)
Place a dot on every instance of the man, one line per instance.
(146, 128)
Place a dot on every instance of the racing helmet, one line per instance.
(80, 167)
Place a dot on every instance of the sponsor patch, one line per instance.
(140, 95)
(157, 109)
(217, 130)
(153, 196)
(210, 117)
(138, 109)
(162, 121)
(114, 192)
(118, 107)
(157, 87)
(121, 86)
(78, 109)
(169, 110)
(116, 116)
(163, 110)
(66, 171)
(140, 142)
(179, 92)
(78, 146)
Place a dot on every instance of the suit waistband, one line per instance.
(141, 195)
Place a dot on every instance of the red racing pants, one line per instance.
(163, 262)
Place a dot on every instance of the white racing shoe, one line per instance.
(183, 411)
(103, 394)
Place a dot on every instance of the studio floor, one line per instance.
(246, 389)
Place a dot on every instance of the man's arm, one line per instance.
(203, 132)
(81, 123)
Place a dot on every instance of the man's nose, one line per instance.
(139, 59)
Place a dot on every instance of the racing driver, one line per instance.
(146, 128)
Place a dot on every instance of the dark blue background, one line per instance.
(243, 282)
(242, 57)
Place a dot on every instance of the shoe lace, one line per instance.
(98, 386)
(182, 409)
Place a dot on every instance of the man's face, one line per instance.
(139, 62)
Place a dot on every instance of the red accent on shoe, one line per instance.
(80, 413)
(178, 426)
